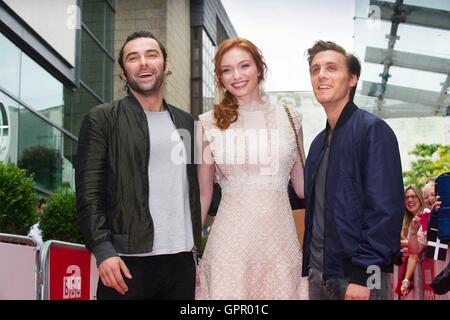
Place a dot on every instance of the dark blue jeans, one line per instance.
(334, 289)
(162, 277)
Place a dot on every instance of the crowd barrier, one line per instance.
(428, 270)
(58, 271)
(67, 271)
(18, 267)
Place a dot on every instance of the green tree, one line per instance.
(59, 221)
(432, 160)
(17, 200)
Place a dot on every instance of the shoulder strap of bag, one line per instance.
(297, 141)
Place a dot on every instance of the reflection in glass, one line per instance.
(4, 130)
(414, 67)
(41, 91)
(68, 161)
(40, 152)
(9, 66)
(98, 17)
(13, 116)
(96, 67)
(208, 73)
(77, 104)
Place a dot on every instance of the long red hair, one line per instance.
(225, 111)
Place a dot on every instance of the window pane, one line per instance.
(77, 105)
(109, 30)
(92, 64)
(208, 73)
(68, 162)
(8, 129)
(40, 90)
(96, 67)
(9, 65)
(98, 17)
(40, 152)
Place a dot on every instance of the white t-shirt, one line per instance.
(168, 188)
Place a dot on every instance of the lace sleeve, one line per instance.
(208, 123)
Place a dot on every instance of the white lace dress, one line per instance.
(253, 250)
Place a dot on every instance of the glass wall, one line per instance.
(40, 118)
(98, 16)
(208, 72)
(10, 66)
(418, 64)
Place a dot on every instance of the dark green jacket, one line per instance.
(111, 178)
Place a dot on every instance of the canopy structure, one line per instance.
(410, 65)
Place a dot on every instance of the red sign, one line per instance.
(70, 270)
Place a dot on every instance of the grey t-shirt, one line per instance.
(317, 241)
(168, 187)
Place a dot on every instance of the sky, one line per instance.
(284, 29)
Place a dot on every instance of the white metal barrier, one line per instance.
(58, 271)
(18, 267)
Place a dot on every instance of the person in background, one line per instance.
(35, 232)
(429, 196)
(414, 213)
(414, 241)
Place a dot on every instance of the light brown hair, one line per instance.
(407, 218)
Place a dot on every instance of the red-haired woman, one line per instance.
(250, 146)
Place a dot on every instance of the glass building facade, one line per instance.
(40, 114)
(208, 72)
(210, 25)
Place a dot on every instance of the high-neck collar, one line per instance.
(263, 105)
(346, 113)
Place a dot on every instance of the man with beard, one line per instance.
(137, 189)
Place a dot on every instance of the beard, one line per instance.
(146, 89)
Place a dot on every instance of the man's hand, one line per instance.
(110, 272)
(357, 292)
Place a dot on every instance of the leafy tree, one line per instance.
(59, 221)
(432, 160)
(17, 200)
